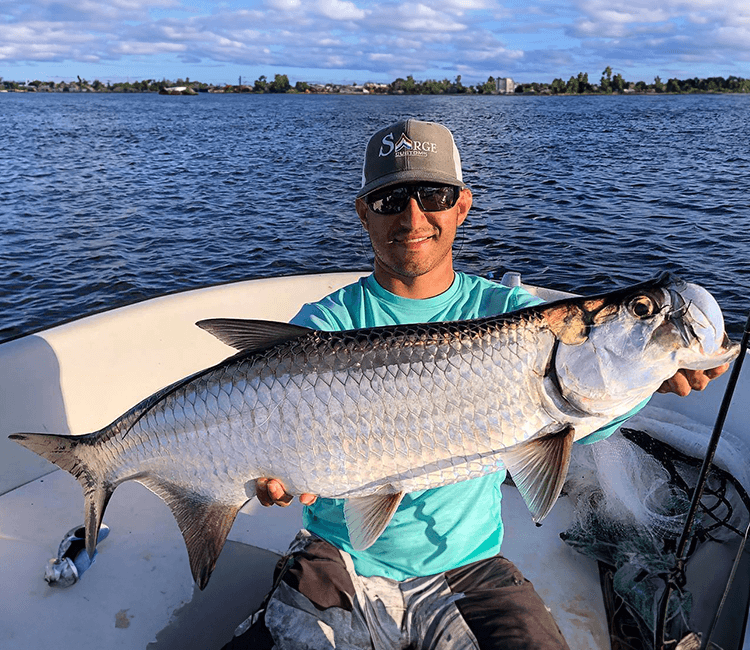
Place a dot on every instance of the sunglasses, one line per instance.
(430, 198)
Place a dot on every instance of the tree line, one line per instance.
(576, 85)
(617, 84)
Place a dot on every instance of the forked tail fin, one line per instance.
(65, 452)
(205, 519)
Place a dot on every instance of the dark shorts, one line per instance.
(486, 604)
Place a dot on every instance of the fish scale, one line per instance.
(369, 415)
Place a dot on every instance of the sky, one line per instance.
(356, 41)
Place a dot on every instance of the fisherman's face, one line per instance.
(414, 242)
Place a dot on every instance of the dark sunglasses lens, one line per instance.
(390, 201)
(437, 199)
(431, 198)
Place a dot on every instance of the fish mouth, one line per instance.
(697, 317)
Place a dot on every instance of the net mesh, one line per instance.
(631, 494)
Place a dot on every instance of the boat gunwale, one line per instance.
(176, 292)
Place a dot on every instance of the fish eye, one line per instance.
(642, 306)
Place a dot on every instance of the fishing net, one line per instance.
(631, 494)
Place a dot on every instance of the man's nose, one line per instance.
(412, 215)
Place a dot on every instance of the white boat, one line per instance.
(79, 376)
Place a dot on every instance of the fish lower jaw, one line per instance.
(729, 353)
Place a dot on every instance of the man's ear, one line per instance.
(464, 202)
(361, 208)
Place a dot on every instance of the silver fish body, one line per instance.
(368, 415)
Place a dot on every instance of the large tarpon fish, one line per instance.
(369, 415)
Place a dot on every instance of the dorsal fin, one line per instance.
(539, 467)
(250, 335)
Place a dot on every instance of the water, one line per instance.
(109, 199)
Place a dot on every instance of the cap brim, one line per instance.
(409, 176)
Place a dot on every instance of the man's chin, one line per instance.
(410, 270)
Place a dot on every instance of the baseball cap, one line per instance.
(411, 151)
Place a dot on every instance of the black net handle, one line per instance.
(676, 577)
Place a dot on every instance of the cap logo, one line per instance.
(405, 146)
(404, 143)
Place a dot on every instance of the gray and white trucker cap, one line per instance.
(411, 151)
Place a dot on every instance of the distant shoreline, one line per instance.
(351, 94)
(576, 85)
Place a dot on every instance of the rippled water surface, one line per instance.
(109, 199)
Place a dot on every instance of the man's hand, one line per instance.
(686, 380)
(270, 491)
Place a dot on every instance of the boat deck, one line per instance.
(139, 593)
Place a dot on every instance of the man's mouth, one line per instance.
(410, 239)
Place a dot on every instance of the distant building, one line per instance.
(505, 85)
(354, 89)
(376, 87)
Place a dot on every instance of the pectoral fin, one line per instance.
(367, 517)
(539, 468)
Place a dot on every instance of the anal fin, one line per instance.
(366, 517)
(539, 467)
(204, 521)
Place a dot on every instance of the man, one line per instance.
(434, 578)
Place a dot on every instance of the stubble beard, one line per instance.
(406, 264)
(407, 267)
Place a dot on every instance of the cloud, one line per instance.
(284, 5)
(44, 41)
(340, 10)
(540, 39)
(134, 47)
(417, 17)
